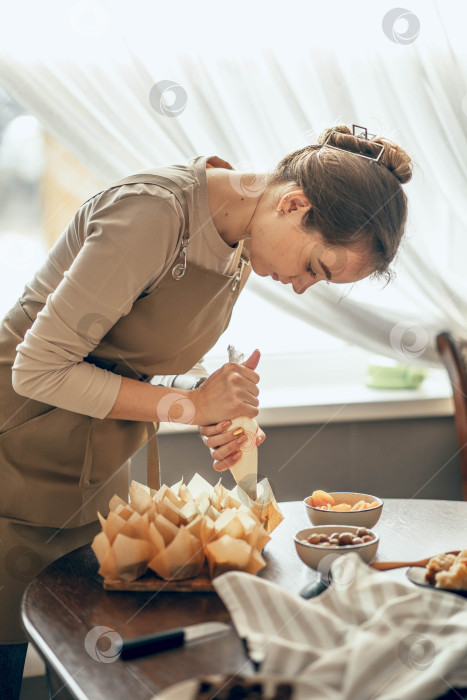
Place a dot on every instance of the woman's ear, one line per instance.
(295, 201)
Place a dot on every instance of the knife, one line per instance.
(169, 639)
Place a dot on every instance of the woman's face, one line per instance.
(281, 249)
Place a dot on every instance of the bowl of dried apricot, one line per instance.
(343, 508)
(319, 546)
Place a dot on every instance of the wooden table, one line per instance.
(66, 600)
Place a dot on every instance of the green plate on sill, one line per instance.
(397, 377)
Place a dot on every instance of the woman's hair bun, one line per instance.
(394, 158)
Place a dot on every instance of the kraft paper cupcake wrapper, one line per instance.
(178, 532)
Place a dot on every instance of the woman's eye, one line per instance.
(309, 269)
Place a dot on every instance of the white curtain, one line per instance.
(251, 82)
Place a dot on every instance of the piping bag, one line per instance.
(245, 471)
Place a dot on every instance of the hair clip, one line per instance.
(363, 132)
(364, 135)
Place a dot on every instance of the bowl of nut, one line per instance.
(318, 546)
(343, 508)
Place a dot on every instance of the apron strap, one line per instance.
(84, 481)
(19, 319)
(152, 179)
(125, 370)
(173, 188)
(153, 471)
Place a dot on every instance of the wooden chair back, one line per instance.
(453, 352)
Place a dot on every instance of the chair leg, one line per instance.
(12, 658)
(463, 460)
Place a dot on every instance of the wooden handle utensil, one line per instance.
(386, 565)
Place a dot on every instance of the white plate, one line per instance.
(416, 574)
(302, 690)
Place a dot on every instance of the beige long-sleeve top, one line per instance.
(116, 247)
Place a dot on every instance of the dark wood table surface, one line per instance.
(66, 602)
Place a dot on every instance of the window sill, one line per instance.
(355, 402)
(342, 397)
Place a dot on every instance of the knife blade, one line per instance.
(169, 639)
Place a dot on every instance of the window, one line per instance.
(41, 187)
(22, 244)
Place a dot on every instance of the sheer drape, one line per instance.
(253, 86)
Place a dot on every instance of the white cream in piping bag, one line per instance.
(245, 471)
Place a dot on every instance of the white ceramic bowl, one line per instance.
(362, 518)
(320, 558)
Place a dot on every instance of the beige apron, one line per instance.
(58, 468)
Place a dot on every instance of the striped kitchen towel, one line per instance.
(368, 636)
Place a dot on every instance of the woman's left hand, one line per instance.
(224, 445)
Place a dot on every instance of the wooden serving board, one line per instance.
(151, 582)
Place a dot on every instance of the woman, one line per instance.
(141, 284)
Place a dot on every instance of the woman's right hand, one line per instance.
(229, 392)
(225, 445)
